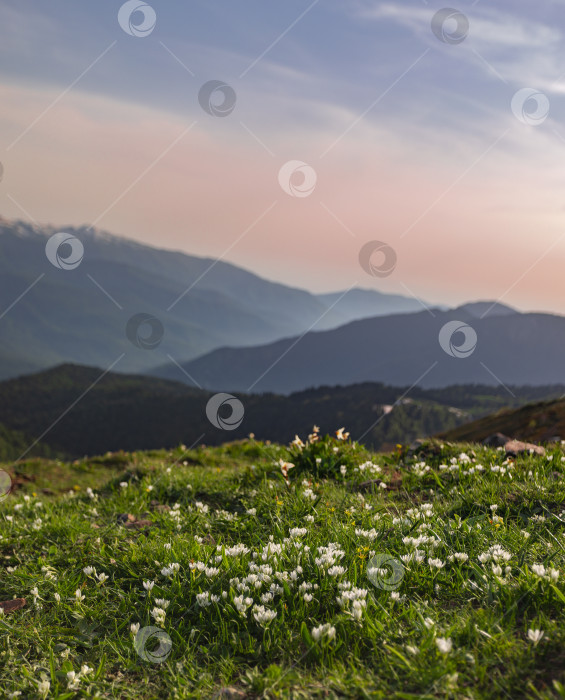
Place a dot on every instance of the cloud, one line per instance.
(488, 26)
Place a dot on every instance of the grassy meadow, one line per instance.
(314, 570)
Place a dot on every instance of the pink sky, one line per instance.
(488, 236)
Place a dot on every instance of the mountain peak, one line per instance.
(483, 309)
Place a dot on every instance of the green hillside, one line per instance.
(537, 422)
(132, 412)
(205, 573)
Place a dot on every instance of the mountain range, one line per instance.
(75, 411)
(506, 348)
(50, 315)
(221, 328)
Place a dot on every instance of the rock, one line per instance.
(13, 605)
(416, 445)
(424, 447)
(125, 517)
(496, 440)
(369, 485)
(139, 524)
(159, 507)
(229, 693)
(162, 508)
(516, 447)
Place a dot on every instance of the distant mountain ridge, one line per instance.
(80, 315)
(509, 348)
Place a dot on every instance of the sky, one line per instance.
(441, 134)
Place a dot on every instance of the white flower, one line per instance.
(535, 636)
(79, 596)
(158, 615)
(307, 597)
(72, 680)
(102, 577)
(460, 556)
(162, 603)
(171, 569)
(263, 615)
(134, 628)
(124, 484)
(357, 609)
(148, 585)
(57, 597)
(43, 687)
(88, 570)
(251, 511)
(298, 531)
(547, 574)
(429, 622)
(242, 604)
(343, 470)
(85, 670)
(323, 631)
(444, 645)
(412, 650)
(309, 518)
(203, 599)
(436, 563)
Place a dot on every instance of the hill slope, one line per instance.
(255, 588)
(512, 348)
(77, 411)
(536, 422)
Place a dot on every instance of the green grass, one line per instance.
(416, 630)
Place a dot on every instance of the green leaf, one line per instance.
(306, 636)
(558, 593)
(400, 656)
(52, 669)
(100, 668)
